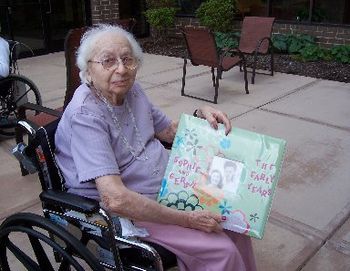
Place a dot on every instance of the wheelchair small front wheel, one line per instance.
(15, 90)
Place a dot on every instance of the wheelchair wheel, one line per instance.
(26, 243)
(15, 90)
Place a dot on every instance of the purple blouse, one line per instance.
(88, 144)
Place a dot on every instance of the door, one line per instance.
(60, 16)
(43, 24)
(25, 23)
(135, 9)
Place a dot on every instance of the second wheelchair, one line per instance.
(15, 90)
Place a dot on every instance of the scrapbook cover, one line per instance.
(233, 175)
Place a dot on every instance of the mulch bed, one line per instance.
(329, 70)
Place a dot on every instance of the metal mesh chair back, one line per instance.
(253, 30)
(201, 46)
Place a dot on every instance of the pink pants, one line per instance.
(200, 251)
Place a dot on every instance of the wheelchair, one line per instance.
(15, 90)
(94, 233)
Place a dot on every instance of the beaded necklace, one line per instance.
(134, 152)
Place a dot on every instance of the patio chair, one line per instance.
(83, 217)
(202, 50)
(256, 39)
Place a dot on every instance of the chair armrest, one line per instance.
(38, 108)
(28, 126)
(261, 41)
(232, 51)
(70, 201)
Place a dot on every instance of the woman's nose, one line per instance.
(120, 68)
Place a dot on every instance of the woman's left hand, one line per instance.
(214, 116)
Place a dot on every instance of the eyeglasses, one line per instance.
(128, 62)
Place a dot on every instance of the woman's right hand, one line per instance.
(118, 199)
(205, 221)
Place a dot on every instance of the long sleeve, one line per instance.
(4, 58)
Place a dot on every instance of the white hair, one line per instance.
(87, 43)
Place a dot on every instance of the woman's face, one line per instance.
(113, 82)
(215, 178)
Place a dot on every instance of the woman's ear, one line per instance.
(88, 77)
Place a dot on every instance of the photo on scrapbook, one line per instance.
(225, 174)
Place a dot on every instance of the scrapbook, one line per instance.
(234, 175)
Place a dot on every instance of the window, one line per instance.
(252, 7)
(295, 10)
(325, 11)
(188, 7)
(322, 11)
(317, 11)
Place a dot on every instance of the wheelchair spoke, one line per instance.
(15, 90)
(43, 238)
(46, 265)
(40, 254)
(22, 257)
(3, 259)
(22, 96)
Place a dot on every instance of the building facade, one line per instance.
(43, 24)
(327, 20)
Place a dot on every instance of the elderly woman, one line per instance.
(108, 149)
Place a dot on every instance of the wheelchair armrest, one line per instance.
(38, 108)
(70, 201)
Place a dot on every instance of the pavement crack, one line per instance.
(293, 91)
(176, 80)
(301, 88)
(296, 226)
(346, 129)
(327, 239)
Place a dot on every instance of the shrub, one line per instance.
(161, 18)
(280, 43)
(227, 40)
(292, 44)
(313, 52)
(341, 53)
(217, 15)
(306, 49)
(160, 15)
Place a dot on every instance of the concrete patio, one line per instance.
(309, 225)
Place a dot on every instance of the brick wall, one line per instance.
(104, 11)
(326, 36)
(107, 11)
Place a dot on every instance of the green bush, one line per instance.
(292, 44)
(160, 15)
(313, 52)
(217, 15)
(161, 18)
(341, 53)
(280, 43)
(304, 48)
(227, 40)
